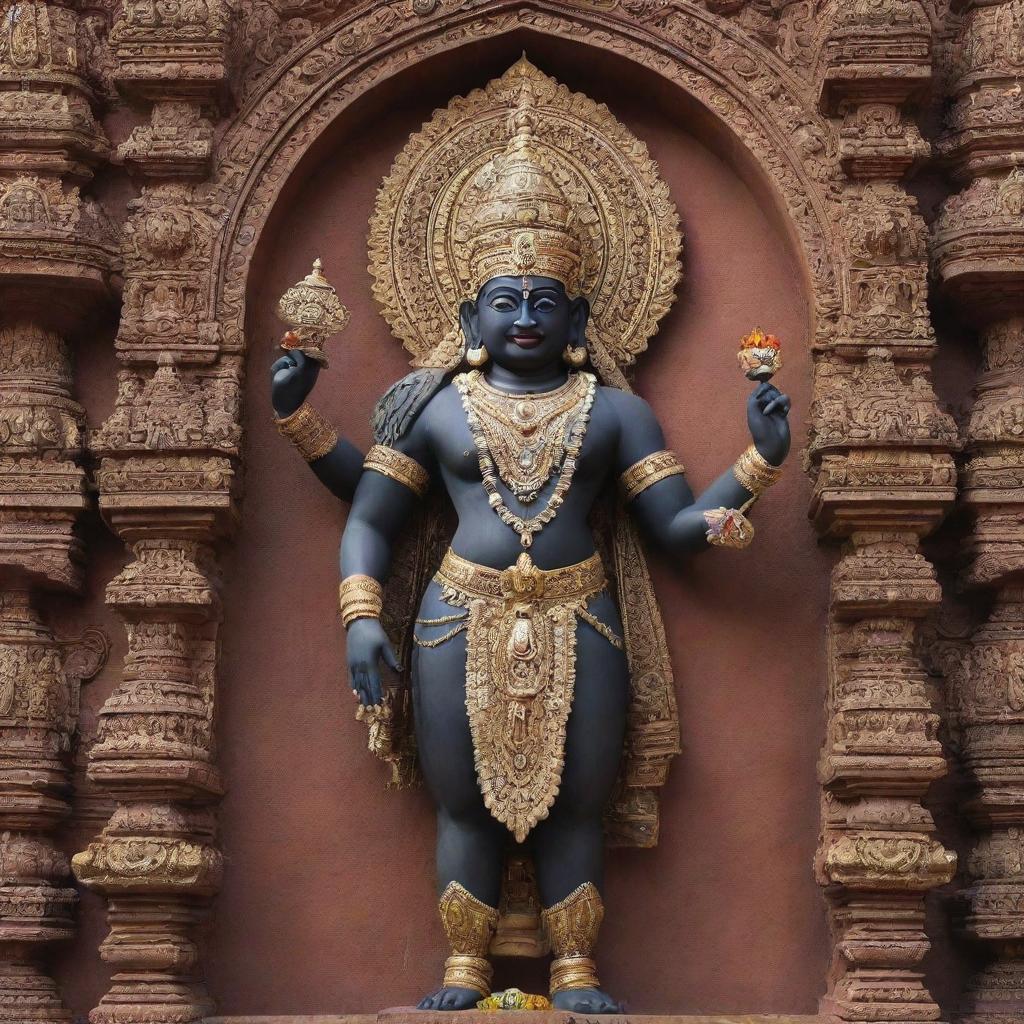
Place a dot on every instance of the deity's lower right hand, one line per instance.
(366, 645)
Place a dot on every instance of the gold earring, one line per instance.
(575, 355)
(477, 356)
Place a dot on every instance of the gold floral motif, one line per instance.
(307, 429)
(479, 411)
(646, 472)
(572, 925)
(611, 216)
(755, 472)
(520, 676)
(390, 462)
(359, 597)
(728, 528)
(470, 925)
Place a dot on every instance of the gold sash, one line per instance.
(520, 675)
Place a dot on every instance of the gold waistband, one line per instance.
(523, 581)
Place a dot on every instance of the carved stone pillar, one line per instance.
(977, 244)
(56, 251)
(885, 478)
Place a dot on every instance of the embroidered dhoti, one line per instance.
(520, 675)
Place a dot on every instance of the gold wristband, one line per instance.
(390, 462)
(755, 472)
(360, 597)
(648, 471)
(464, 971)
(311, 434)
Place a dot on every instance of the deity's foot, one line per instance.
(585, 1000)
(450, 997)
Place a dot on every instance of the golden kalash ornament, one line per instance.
(526, 178)
(313, 312)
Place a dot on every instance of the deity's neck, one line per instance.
(545, 378)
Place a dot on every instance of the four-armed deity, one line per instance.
(524, 249)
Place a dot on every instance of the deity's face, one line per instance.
(525, 323)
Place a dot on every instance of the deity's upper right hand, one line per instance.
(292, 379)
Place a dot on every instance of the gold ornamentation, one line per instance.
(477, 356)
(575, 356)
(617, 207)
(307, 429)
(520, 676)
(313, 311)
(360, 597)
(572, 925)
(646, 472)
(525, 433)
(500, 436)
(755, 472)
(514, 999)
(728, 528)
(390, 462)
(470, 925)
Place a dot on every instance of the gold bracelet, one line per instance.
(311, 434)
(572, 972)
(754, 472)
(648, 471)
(360, 597)
(390, 462)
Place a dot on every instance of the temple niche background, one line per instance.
(848, 175)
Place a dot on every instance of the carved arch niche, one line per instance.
(301, 787)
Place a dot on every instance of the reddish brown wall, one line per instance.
(328, 901)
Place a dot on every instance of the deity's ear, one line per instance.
(579, 314)
(469, 321)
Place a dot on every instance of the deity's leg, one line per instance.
(569, 844)
(470, 843)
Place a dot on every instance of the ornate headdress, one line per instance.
(526, 221)
(524, 172)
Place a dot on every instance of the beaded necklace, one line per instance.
(570, 412)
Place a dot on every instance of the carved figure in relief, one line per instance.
(540, 709)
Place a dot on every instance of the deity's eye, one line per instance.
(503, 304)
(544, 305)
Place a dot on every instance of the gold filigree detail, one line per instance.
(646, 472)
(313, 311)
(614, 203)
(520, 676)
(360, 597)
(307, 429)
(390, 462)
(755, 472)
(470, 925)
(497, 445)
(572, 925)
(728, 528)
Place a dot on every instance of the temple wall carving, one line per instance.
(145, 150)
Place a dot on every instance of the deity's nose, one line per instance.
(525, 318)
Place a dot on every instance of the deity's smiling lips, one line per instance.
(526, 340)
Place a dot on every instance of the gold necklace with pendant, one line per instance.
(525, 439)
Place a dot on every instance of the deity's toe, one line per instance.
(585, 1000)
(451, 998)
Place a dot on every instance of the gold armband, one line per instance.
(390, 462)
(647, 472)
(360, 597)
(311, 434)
(755, 472)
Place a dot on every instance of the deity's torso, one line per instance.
(481, 536)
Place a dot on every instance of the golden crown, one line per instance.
(526, 223)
